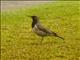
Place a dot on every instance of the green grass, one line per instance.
(18, 42)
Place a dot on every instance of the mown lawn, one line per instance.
(18, 42)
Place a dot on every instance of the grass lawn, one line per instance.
(18, 42)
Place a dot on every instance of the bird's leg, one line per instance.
(42, 38)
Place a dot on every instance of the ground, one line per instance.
(18, 42)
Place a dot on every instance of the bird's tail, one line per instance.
(58, 36)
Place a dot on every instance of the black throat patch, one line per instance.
(33, 24)
(35, 21)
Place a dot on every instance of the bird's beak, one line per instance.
(29, 16)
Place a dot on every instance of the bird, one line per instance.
(40, 30)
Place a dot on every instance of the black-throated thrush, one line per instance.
(41, 30)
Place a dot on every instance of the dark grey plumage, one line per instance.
(40, 30)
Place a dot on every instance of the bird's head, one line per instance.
(34, 18)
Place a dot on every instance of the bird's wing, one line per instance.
(40, 27)
(47, 31)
